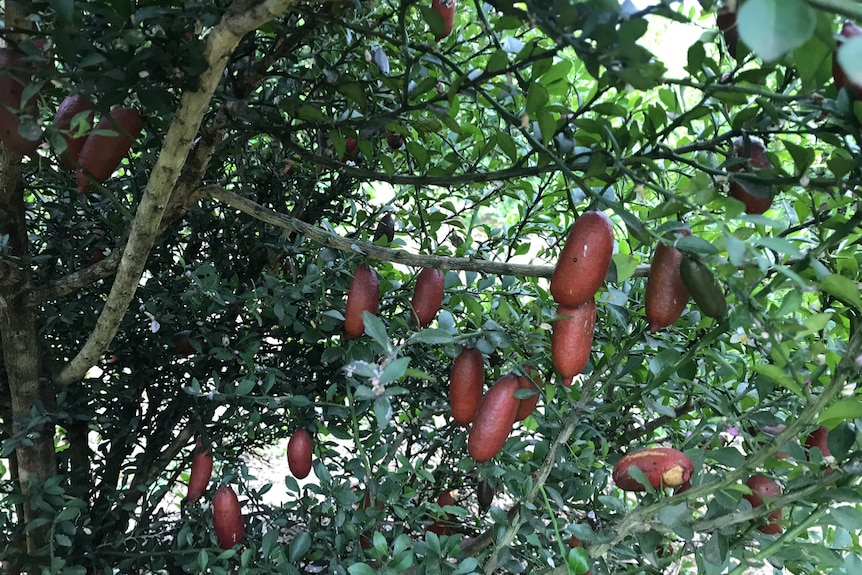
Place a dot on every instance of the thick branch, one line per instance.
(379, 253)
(241, 18)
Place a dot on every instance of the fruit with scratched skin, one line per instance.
(299, 451)
(466, 384)
(757, 198)
(363, 296)
(762, 486)
(584, 261)
(530, 380)
(840, 77)
(202, 468)
(446, 9)
(71, 106)
(15, 76)
(703, 287)
(666, 294)
(101, 154)
(227, 518)
(572, 339)
(494, 419)
(427, 296)
(662, 466)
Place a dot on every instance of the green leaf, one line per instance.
(803, 156)
(537, 98)
(375, 329)
(779, 376)
(394, 370)
(842, 410)
(771, 28)
(361, 569)
(695, 245)
(431, 336)
(299, 546)
(843, 288)
(382, 411)
(578, 560)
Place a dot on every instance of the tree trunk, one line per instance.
(29, 396)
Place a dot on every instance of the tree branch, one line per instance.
(379, 253)
(242, 17)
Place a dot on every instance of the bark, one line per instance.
(243, 17)
(36, 461)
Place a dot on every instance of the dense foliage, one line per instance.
(485, 146)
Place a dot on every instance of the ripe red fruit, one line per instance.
(70, 107)
(100, 155)
(757, 198)
(427, 296)
(363, 296)
(663, 467)
(351, 150)
(366, 538)
(182, 342)
(848, 30)
(227, 518)
(394, 140)
(528, 381)
(446, 9)
(726, 20)
(15, 76)
(466, 385)
(202, 468)
(494, 419)
(584, 260)
(666, 293)
(446, 525)
(761, 487)
(299, 450)
(819, 439)
(572, 339)
(385, 227)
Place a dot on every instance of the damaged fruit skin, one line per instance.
(494, 419)
(466, 384)
(662, 466)
(363, 296)
(584, 261)
(101, 154)
(572, 339)
(839, 76)
(762, 486)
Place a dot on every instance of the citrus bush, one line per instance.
(199, 311)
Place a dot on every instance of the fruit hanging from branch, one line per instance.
(703, 287)
(839, 75)
(227, 518)
(446, 9)
(584, 261)
(572, 339)
(494, 419)
(662, 466)
(762, 486)
(756, 197)
(202, 468)
(466, 384)
(446, 524)
(726, 21)
(385, 228)
(299, 451)
(666, 294)
(363, 296)
(427, 296)
(101, 154)
(70, 107)
(15, 76)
